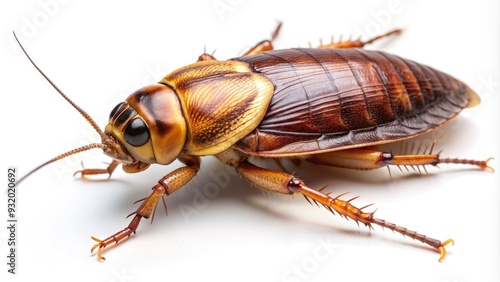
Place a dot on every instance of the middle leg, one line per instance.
(262, 46)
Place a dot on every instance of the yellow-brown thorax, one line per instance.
(200, 109)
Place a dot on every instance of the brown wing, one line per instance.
(331, 99)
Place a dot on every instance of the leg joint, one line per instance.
(294, 185)
(385, 158)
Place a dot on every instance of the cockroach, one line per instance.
(331, 105)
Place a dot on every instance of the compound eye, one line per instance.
(115, 109)
(136, 133)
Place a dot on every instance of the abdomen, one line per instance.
(330, 99)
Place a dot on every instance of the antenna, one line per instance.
(80, 110)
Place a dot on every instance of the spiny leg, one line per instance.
(166, 186)
(356, 43)
(285, 183)
(367, 158)
(347, 210)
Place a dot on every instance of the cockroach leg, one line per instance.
(146, 209)
(481, 164)
(117, 237)
(166, 186)
(443, 250)
(285, 183)
(264, 45)
(367, 159)
(96, 171)
(349, 43)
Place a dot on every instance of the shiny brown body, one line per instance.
(328, 105)
(332, 99)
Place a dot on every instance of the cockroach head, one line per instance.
(149, 125)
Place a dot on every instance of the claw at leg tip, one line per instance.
(488, 166)
(443, 250)
(99, 250)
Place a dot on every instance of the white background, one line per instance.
(98, 53)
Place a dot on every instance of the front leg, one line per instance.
(128, 168)
(166, 186)
(97, 171)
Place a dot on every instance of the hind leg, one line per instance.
(288, 184)
(285, 183)
(368, 158)
(357, 43)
